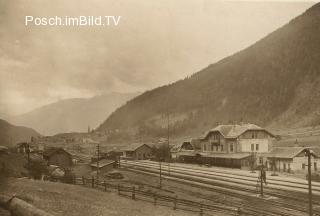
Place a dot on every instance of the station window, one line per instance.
(315, 166)
(217, 147)
(303, 166)
(252, 147)
(221, 148)
(231, 147)
(257, 147)
(261, 160)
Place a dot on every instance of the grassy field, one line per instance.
(72, 200)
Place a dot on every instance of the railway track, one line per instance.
(287, 201)
(283, 185)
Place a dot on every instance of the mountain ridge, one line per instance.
(11, 134)
(73, 114)
(273, 82)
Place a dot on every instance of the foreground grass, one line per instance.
(72, 200)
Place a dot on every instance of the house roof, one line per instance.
(35, 157)
(178, 147)
(89, 140)
(234, 131)
(133, 147)
(3, 149)
(50, 151)
(102, 163)
(286, 152)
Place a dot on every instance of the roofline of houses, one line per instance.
(235, 137)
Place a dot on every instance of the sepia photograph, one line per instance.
(159, 108)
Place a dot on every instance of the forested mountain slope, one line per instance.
(274, 82)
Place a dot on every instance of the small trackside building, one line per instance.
(292, 159)
(235, 145)
(183, 152)
(58, 157)
(103, 165)
(137, 151)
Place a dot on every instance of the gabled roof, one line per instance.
(234, 131)
(178, 147)
(102, 163)
(50, 151)
(134, 147)
(286, 152)
(3, 149)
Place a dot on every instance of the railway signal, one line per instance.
(262, 179)
(309, 153)
(160, 176)
(98, 158)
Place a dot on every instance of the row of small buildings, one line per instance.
(243, 146)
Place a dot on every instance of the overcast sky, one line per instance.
(155, 43)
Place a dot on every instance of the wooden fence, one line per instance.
(158, 199)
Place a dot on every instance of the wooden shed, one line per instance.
(58, 157)
(103, 165)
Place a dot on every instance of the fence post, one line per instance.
(155, 198)
(118, 189)
(201, 209)
(83, 181)
(133, 192)
(105, 185)
(175, 203)
(92, 182)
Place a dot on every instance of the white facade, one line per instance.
(298, 163)
(254, 145)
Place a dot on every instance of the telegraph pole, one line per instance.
(160, 182)
(168, 139)
(98, 152)
(308, 153)
(28, 153)
(261, 181)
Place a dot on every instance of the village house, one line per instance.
(23, 147)
(235, 145)
(137, 151)
(291, 159)
(186, 151)
(4, 150)
(103, 165)
(58, 157)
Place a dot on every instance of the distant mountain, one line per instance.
(11, 134)
(72, 115)
(275, 82)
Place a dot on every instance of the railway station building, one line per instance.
(234, 146)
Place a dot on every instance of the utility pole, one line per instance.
(28, 153)
(261, 181)
(262, 178)
(168, 140)
(308, 153)
(98, 152)
(160, 182)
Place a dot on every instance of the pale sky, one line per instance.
(155, 43)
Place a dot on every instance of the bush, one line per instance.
(36, 169)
